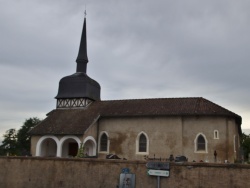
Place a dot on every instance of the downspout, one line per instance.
(97, 137)
(227, 139)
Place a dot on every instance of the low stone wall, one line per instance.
(32, 172)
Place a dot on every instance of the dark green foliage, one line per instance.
(18, 142)
(9, 144)
(245, 144)
(23, 138)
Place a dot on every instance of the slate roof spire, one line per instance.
(78, 89)
(82, 58)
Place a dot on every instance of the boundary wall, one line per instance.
(30, 172)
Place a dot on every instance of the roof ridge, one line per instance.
(151, 99)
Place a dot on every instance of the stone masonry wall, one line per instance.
(30, 172)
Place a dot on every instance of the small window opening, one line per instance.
(104, 143)
(216, 134)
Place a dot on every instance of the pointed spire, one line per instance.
(82, 58)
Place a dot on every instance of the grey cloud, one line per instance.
(136, 49)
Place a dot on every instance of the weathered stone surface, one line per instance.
(30, 172)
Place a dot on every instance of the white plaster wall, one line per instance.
(163, 132)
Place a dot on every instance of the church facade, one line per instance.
(134, 128)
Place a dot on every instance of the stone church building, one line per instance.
(132, 128)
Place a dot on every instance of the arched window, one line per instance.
(142, 144)
(200, 143)
(104, 142)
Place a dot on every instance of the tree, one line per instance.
(245, 144)
(9, 144)
(23, 138)
(18, 142)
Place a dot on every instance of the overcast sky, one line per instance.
(136, 49)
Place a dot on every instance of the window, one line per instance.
(200, 143)
(142, 144)
(104, 142)
(216, 134)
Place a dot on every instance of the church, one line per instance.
(133, 128)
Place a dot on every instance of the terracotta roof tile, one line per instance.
(76, 121)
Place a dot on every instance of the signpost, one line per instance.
(164, 173)
(158, 165)
(159, 169)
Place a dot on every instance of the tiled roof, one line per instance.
(76, 121)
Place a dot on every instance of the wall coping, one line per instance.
(189, 165)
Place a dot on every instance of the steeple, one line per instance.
(78, 89)
(82, 58)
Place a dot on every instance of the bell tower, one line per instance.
(78, 90)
